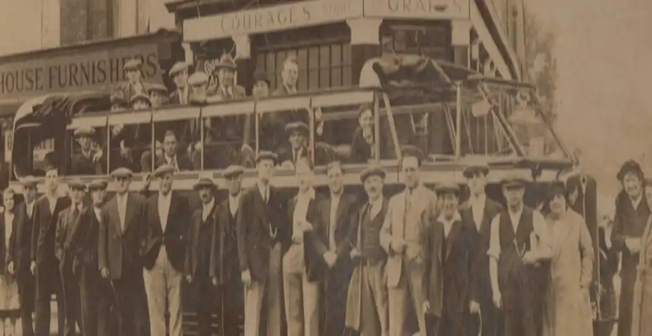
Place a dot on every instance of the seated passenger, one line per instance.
(171, 156)
(362, 147)
(290, 75)
(158, 95)
(298, 133)
(198, 83)
(89, 161)
(118, 102)
(140, 102)
(226, 89)
(179, 74)
(135, 84)
(261, 85)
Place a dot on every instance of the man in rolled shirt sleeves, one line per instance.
(197, 265)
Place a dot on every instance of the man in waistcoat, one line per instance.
(366, 307)
(519, 242)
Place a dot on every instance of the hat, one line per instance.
(413, 151)
(140, 97)
(266, 155)
(134, 64)
(226, 61)
(372, 171)
(29, 181)
(513, 180)
(556, 188)
(97, 185)
(76, 184)
(297, 126)
(447, 188)
(474, 166)
(178, 67)
(259, 76)
(164, 170)
(122, 172)
(84, 131)
(198, 78)
(155, 87)
(232, 171)
(203, 183)
(630, 166)
(117, 97)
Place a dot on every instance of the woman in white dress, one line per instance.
(568, 307)
(9, 304)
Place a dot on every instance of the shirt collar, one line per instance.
(30, 205)
(263, 189)
(475, 200)
(455, 218)
(378, 202)
(163, 196)
(636, 202)
(169, 158)
(517, 213)
(210, 204)
(289, 89)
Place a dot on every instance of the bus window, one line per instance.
(176, 135)
(87, 152)
(129, 139)
(229, 135)
(284, 128)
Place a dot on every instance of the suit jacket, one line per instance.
(85, 239)
(345, 217)
(481, 282)
(255, 240)
(20, 243)
(44, 228)
(67, 225)
(216, 93)
(183, 161)
(316, 267)
(223, 251)
(174, 237)
(83, 165)
(4, 247)
(118, 249)
(408, 224)
(199, 230)
(286, 155)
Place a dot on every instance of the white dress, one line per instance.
(8, 286)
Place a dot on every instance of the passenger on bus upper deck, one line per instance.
(290, 75)
(362, 147)
(198, 84)
(261, 85)
(179, 73)
(226, 89)
(140, 102)
(135, 84)
(171, 155)
(158, 95)
(298, 133)
(89, 161)
(118, 102)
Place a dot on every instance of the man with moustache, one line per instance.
(44, 261)
(403, 238)
(519, 241)
(480, 210)
(197, 265)
(338, 213)
(632, 213)
(119, 255)
(259, 233)
(18, 255)
(366, 305)
(65, 250)
(164, 225)
(224, 265)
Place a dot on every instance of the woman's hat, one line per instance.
(630, 166)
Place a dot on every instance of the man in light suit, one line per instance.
(402, 236)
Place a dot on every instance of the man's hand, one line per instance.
(189, 278)
(355, 254)
(474, 307)
(529, 258)
(498, 300)
(214, 281)
(124, 152)
(633, 245)
(397, 245)
(32, 267)
(10, 268)
(246, 278)
(426, 307)
(105, 273)
(330, 258)
(297, 238)
(306, 226)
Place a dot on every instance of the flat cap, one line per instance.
(97, 185)
(122, 172)
(475, 166)
(84, 131)
(630, 166)
(447, 188)
(372, 171)
(266, 155)
(297, 126)
(514, 180)
(164, 170)
(232, 171)
(260, 76)
(204, 183)
(29, 181)
(140, 97)
(198, 78)
(76, 184)
(134, 64)
(155, 87)
(178, 67)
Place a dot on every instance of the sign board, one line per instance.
(86, 70)
(273, 18)
(417, 9)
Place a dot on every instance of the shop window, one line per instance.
(86, 20)
(431, 41)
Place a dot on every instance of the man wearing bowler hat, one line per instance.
(298, 133)
(226, 89)
(260, 231)
(519, 241)
(179, 74)
(134, 84)
(165, 219)
(198, 255)
(367, 310)
(480, 210)
(225, 269)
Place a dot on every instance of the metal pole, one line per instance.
(458, 122)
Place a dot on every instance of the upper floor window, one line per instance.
(86, 20)
(429, 40)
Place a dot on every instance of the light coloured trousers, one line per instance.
(301, 303)
(163, 285)
(409, 291)
(270, 290)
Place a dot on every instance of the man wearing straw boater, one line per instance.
(519, 241)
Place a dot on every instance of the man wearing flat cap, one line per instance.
(480, 210)
(298, 133)
(134, 84)
(119, 255)
(65, 249)
(519, 241)
(90, 159)
(631, 216)
(260, 230)
(367, 310)
(140, 101)
(198, 255)
(224, 265)
(226, 89)
(179, 74)
(158, 94)
(118, 101)
(402, 237)
(165, 219)
(449, 271)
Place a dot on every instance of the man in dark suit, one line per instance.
(44, 262)
(298, 133)
(259, 233)
(171, 156)
(225, 268)
(119, 255)
(88, 161)
(338, 213)
(67, 225)
(165, 224)
(198, 255)
(480, 211)
(289, 75)
(18, 256)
